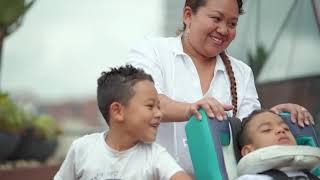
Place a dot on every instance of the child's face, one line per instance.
(268, 129)
(142, 113)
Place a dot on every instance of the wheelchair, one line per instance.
(214, 149)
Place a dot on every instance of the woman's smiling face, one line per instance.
(210, 29)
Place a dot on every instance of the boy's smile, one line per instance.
(155, 124)
(142, 113)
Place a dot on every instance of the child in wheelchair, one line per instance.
(270, 151)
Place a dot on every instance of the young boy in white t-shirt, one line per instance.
(129, 103)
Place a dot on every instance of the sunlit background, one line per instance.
(50, 64)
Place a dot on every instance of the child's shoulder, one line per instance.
(86, 141)
(153, 147)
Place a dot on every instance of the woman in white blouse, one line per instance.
(193, 71)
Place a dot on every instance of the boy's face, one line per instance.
(267, 129)
(142, 114)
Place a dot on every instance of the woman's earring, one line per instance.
(188, 31)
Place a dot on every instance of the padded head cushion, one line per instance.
(278, 157)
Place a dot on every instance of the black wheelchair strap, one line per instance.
(310, 175)
(279, 175)
(235, 124)
(276, 174)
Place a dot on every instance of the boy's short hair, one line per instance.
(243, 136)
(116, 85)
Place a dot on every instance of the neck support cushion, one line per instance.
(279, 157)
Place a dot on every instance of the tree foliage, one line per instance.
(257, 60)
(11, 14)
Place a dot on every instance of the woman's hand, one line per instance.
(211, 106)
(298, 113)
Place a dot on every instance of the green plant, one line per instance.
(15, 120)
(12, 119)
(258, 59)
(45, 126)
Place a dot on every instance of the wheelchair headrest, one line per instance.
(206, 138)
(304, 136)
(287, 157)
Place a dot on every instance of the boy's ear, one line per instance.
(246, 149)
(116, 111)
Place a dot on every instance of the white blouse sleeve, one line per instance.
(250, 101)
(144, 55)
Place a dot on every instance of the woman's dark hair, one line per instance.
(195, 5)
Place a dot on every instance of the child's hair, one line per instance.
(243, 136)
(116, 85)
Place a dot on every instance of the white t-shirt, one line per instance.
(266, 177)
(176, 76)
(90, 158)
